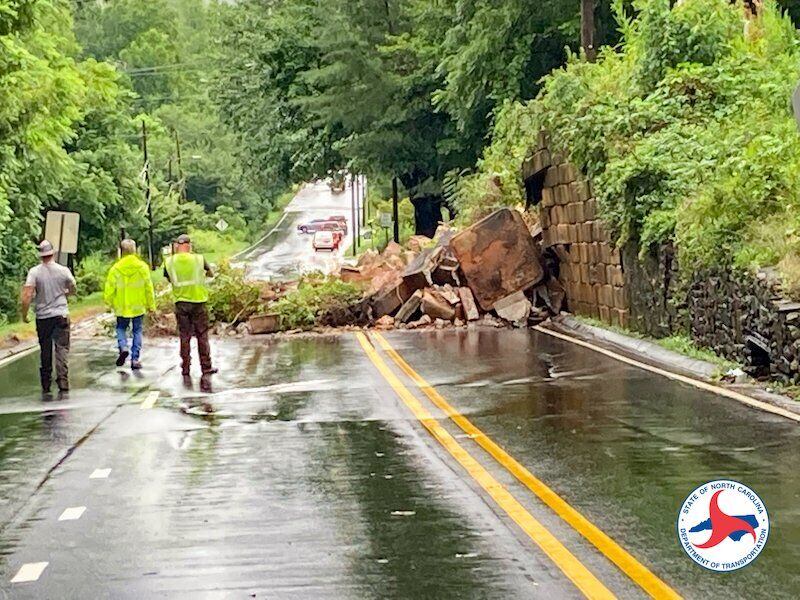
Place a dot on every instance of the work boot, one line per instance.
(136, 365)
(123, 356)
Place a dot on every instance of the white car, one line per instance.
(325, 240)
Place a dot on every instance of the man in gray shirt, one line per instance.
(49, 284)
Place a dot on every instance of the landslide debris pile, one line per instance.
(492, 272)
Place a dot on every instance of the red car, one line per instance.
(341, 220)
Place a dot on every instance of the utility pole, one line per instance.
(395, 210)
(354, 221)
(359, 204)
(180, 168)
(364, 203)
(588, 29)
(358, 211)
(147, 198)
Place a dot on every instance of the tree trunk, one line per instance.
(427, 214)
(588, 29)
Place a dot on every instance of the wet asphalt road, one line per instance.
(312, 479)
(284, 251)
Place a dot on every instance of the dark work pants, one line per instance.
(192, 320)
(53, 332)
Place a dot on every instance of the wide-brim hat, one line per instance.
(46, 249)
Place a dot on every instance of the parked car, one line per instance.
(325, 240)
(341, 220)
(312, 226)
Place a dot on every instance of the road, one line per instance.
(322, 467)
(477, 463)
(284, 251)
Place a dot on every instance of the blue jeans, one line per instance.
(122, 334)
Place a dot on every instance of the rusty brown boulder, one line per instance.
(498, 257)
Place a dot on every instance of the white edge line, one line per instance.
(30, 572)
(752, 402)
(10, 359)
(271, 231)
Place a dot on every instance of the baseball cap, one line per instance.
(183, 239)
(46, 249)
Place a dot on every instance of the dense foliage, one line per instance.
(63, 123)
(76, 82)
(685, 130)
(315, 294)
(404, 88)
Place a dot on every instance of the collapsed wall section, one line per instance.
(589, 266)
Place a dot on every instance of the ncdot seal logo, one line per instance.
(723, 525)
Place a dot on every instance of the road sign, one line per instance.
(796, 104)
(222, 225)
(386, 219)
(61, 230)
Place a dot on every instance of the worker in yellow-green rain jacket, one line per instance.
(129, 293)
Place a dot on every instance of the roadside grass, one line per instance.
(215, 246)
(681, 344)
(274, 215)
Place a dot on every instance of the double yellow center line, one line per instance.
(586, 581)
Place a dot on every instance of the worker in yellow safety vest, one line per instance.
(129, 293)
(187, 273)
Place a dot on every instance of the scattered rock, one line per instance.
(417, 243)
(425, 320)
(514, 308)
(436, 307)
(350, 274)
(385, 322)
(388, 301)
(267, 323)
(368, 258)
(449, 294)
(468, 302)
(392, 249)
(410, 308)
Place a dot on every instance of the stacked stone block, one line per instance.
(590, 266)
(725, 311)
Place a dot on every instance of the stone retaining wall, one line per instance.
(746, 319)
(741, 317)
(591, 268)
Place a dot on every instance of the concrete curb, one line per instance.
(654, 355)
(641, 350)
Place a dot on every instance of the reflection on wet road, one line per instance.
(624, 446)
(285, 251)
(311, 478)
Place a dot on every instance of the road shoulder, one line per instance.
(657, 358)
